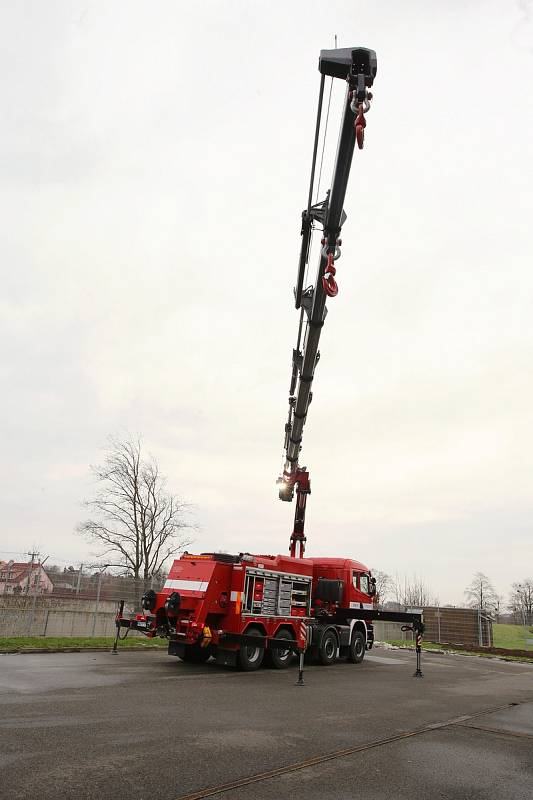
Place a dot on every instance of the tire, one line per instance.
(281, 659)
(356, 652)
(194, 654)
(327, 651)
(250, 657)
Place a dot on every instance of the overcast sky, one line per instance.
(154, 162)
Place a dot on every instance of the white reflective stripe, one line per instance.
(185, 584)
(368, 605)
(233, 597)
(364, 605)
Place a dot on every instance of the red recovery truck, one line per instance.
(242, 609)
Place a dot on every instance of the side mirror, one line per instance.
(372, 587)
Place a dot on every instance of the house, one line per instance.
(18, 578)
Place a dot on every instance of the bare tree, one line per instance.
(411, 591)
(135, 521)
(498, 606)
(481, 593)
(383, 585)
(521, 602)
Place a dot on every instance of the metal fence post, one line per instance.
(32, 612)
(46, 615)
(97, 602)
(480, 629)
(438, 622)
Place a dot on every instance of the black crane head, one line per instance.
(348, 62)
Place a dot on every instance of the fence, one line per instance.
(467, 627)
(87, 607)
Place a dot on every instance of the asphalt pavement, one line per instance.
(145, 726)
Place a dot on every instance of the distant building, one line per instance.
(18, 578)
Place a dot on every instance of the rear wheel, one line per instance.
(194, 654)
(281, 659)
(327, 651)
(356, 652)
(251, 656)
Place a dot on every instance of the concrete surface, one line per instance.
(144, 726)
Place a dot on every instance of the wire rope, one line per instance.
(324, 142)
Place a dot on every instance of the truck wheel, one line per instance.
(251, 657)
(194, 654)
(281, 659)
(327, 652)
(356, 652)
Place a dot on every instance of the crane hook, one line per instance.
(329, 283)
(360, 121)
(360, 125)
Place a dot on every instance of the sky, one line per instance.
(154, 163)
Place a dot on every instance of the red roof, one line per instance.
(18, 569)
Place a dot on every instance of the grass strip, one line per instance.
(21, 643)
(445, 648)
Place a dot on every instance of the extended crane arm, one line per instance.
(357, 66)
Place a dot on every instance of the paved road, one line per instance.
(144, 726)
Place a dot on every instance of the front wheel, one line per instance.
(356, 652)
(251, 656)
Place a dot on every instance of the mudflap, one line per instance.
(176, 648)
(226, 658)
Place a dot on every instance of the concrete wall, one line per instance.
(52, 617)
(52, 622)
(390, 631)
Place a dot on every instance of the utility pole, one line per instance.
(79, 579)
(34, 601)
(30, 571)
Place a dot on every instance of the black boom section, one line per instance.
(416, 619)
(357, 66)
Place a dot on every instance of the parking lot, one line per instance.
(144, 725)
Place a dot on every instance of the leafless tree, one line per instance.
(481, 593)
(383, 585)
(136, 522)
(411, 591)
(521, 602)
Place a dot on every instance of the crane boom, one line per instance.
(357, 66)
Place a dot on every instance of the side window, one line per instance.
(354, 580)
(364, 583)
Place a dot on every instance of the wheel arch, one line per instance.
(285, 626)
(359, 625)
(258, 626)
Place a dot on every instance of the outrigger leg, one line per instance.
(300, 681)
(418, 629)
(117, 623)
